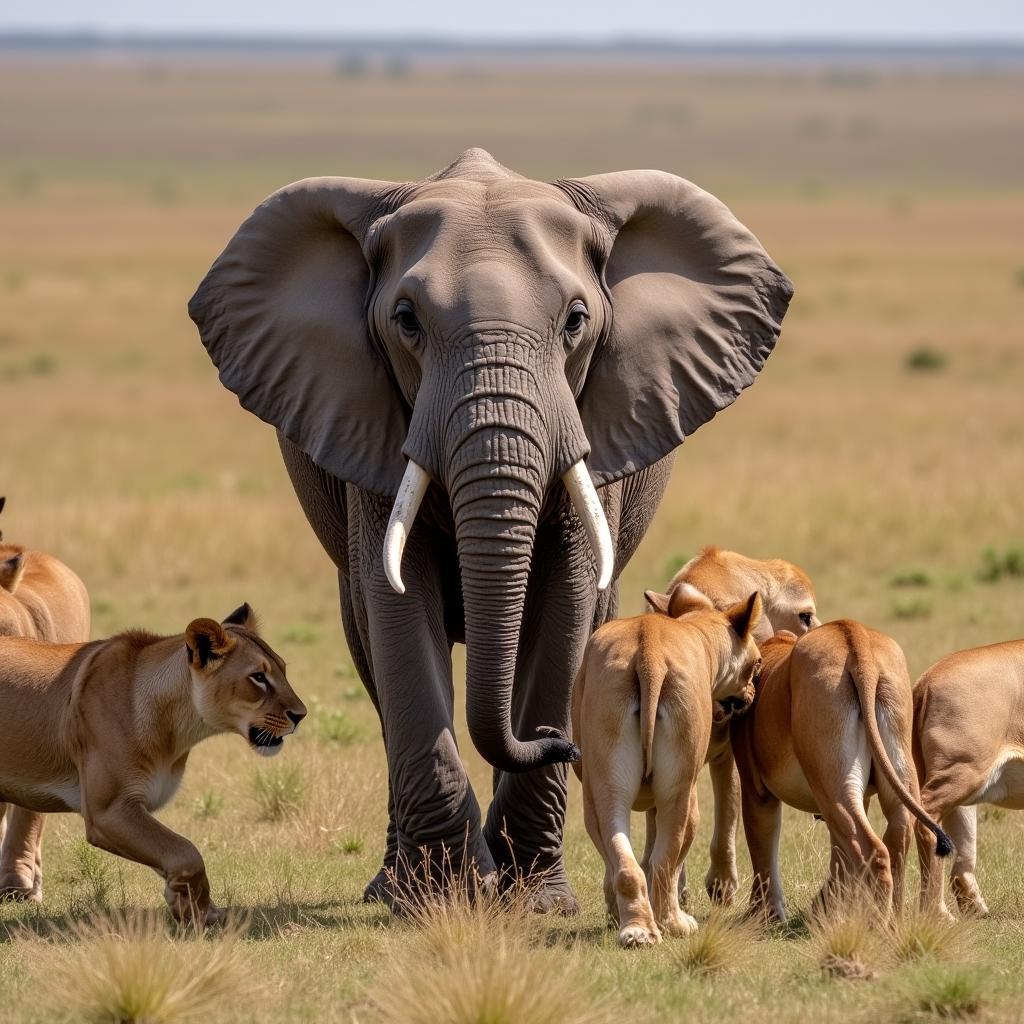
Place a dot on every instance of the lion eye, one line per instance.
(261, 681)
(805, 618)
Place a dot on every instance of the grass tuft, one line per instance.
(911, 578)
(922, 936)
(944, 992)
(337, 727)
(208, 804)
(926, 359)
(724, 942)
(278, 792)
(91, 877)
(995, 564)
(844, 943)
(915, 608)
(128, 970)
(482, 961)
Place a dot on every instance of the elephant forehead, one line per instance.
(520, 221)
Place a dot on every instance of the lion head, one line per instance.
(239, 682)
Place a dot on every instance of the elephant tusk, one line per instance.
(588, 506)
(407, 503)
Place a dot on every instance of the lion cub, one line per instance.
(105, 729)
(40, 597)
(642, 707)
(726, 577)
(969, 750)
(830, 724)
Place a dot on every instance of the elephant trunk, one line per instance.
(508, 436)
(496, 498)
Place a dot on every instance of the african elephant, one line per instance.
(452, 365)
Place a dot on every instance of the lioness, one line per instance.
(830, 724)
(642, 707)
(40, 597)
(105, 728)
(969, 750)
(789, 603)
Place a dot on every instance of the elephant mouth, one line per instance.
(265, 743)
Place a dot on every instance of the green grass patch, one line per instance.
(995, 565)
(926, 359)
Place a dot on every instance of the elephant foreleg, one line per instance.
(356, 634)
(435, 831)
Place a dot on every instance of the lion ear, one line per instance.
(243, 616)
(11, 571)
(658, 602)
(744, 616)
(687, 598)
(206, 641)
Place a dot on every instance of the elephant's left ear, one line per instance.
(697, 306)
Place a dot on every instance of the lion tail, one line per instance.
(864, 671)
(650, 673)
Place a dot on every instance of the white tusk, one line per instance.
(407, 503)
(588, 506)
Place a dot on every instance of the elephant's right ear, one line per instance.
(282, 313)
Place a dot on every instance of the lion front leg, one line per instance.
(122, 825)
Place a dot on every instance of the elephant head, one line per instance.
(499, 337)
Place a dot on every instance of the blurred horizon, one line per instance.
(600, 21)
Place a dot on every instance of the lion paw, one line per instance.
(679, 925)
(633, 936)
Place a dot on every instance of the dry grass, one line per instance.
(481, 961)
(127, 970)
(918, 935)
(724, 942)
(937, 992)
(847, 941)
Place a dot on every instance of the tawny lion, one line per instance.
(969, 749)
(42, 598)
(787, 592)
(642, 708)
(830, 724)
(106, 728)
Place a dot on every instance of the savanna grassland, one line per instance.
(882, 449)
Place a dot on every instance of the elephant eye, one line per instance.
(405, 317)
(574, 322)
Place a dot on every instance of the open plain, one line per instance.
(882, 449)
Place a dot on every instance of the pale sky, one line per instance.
(950, 20)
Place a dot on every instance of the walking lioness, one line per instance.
(105, 729)
(787, 592)
(642, 708)
(42, 598)
(831, 724)
(969, 749)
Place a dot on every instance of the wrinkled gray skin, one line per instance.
(495, 331)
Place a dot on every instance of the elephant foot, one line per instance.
(551, 898)
(418, 877)
(542, 892)
(379, 888)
